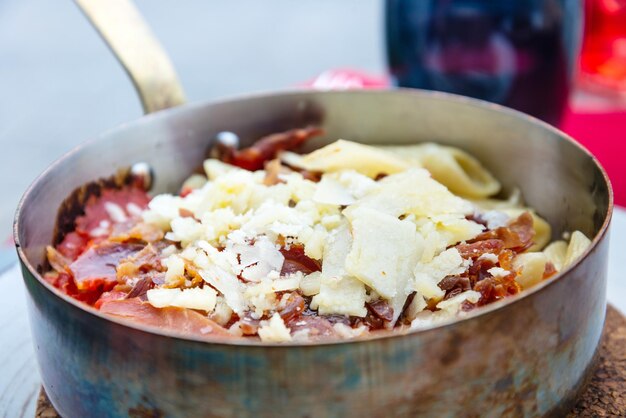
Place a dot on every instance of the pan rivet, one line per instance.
(227, 139)
(142, 175)
(224, 144)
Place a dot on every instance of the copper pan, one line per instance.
(526, 356)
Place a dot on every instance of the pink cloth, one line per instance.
(604, 134)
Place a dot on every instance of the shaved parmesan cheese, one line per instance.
(489, 257)
(416, 306)
(356, 183)
(448, 309)
(314, 242)
(336, 251)
(495, 219)
(227, 284)
(384, 252)
(331, 192)
(290, 283)
(194, 298)
(175, 268)
(274, 330)
(258, 260)
(428, 276)
(340, 295)
(453, 305)
(310, 285)
(498, 272)
(414, 192)
(162, 209)
(185, 230)
(455, 228)
(261, 297)
(222, 312)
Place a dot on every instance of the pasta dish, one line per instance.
(278, 246)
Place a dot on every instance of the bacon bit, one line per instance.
(141, 288)
(249, 325)
(517, 236)
(476, 217)
(185, 213)
(496, 288)
(169, 318)
(402, 319)
(549, 270)
(96, 266)
(96, 211)
(479, 270)
(293, 308)
(467, 306)
(380, 309)
(380, 176)
(296, 260)
(431, 304)
(268, 147)
(73, 245)
(505, 260)
(194, 275)
(523, 228)
(454, 285)
(147, 259)
(314, 176)
(145, 262)
(476, 249)
(317, 326)
(492, 289)
(371, 321)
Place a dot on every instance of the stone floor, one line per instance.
(59, 85)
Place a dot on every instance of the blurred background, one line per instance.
(60, 85)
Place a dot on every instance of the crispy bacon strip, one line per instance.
(380, 309)
(296, 260)
(293, 308)
(478, 248)
(267, 148)
(316, 326)
(518, 235)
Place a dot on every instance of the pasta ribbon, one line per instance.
(461, 173)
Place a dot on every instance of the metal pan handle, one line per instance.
(130, 39)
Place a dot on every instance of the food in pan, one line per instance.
(337, 243)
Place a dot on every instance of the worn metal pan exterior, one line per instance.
(528, 356)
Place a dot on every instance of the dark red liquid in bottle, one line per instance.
(517, 53)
